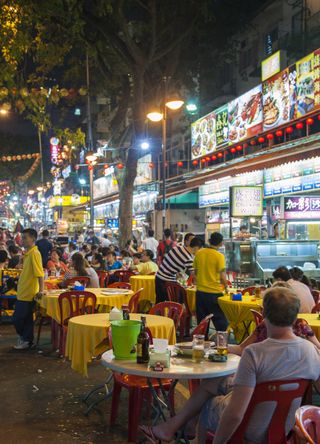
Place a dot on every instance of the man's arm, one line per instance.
(223, 279)
(233, 414)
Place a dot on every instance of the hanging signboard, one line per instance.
(203, 136)
(271, 66)
(302, 207)
(222, 127)
(276, 104)
(246, 201)
(54, 150)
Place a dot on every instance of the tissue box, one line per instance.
(163, 358)
(78, 288)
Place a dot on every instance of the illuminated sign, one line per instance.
(302, 207)
(246, 201)
(54, 150)
(67, 201)
(203, 136)
(271, 66)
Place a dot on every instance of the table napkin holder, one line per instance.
(162, 358)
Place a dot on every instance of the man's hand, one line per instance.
(39, 295)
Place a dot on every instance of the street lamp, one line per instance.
(92, 160)
(161, 115)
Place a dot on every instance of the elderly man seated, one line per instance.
(146, 266)
(222, 402)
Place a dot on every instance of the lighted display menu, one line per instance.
(222, 128)
(246, 201)
(276, 104)
(271, 66)
(203, 136)
(302, 207)
(245, 115)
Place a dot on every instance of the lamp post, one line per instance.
(161, 116)
(92, 160)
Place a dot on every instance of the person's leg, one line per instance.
(219, 320)
(200, 306)
(18, 317)
(165, 431)
(28, 325)
(23, 320)
(161, 292)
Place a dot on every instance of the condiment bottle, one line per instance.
(143, 343)
(125, 312)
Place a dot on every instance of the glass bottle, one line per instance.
(125, 312)
(143, 343)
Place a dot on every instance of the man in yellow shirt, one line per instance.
(146, 266)
(210, 271)
(30, 287)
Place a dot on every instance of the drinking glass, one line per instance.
(222, 342)
(197, 348)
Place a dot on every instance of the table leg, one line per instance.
(246, 333)
(106, 395)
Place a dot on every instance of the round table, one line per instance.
(87, 336)
(49, 301)
(52, 282)
(238, 314)
(147, 282)
(313, 321)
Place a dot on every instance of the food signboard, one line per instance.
(203, 136)
(245, 115)
(302, 207)
(276, 105)
(222, 128)
(246, 201)
(271, 66)
(316, 73)
(305, 86)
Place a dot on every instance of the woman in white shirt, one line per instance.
(80, 267)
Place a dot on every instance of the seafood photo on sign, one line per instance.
(276, 105)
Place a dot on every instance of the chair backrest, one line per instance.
(316, 308)
(280, 392)
(176, 293)
(75, 303)
(315, 294)
(84, 280)
(258, 318)
(172, 310)
(202, 328)
(110, 336)
(124, 285)
(103, 278)
(308, 423)
(123, 275)
(251, 290)
(134, 301)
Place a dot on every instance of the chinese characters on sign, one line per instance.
(246, 201)
(299, 207)
(222, 126)
(54, 150)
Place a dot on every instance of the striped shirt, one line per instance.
(178, 259)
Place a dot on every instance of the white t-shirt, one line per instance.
(275, 360)
(150, 243)
(304, 294)
(94, 279)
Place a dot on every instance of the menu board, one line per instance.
(246, 201)
(245, 115)
(276, 105)
(203, 136)
(271, 66)
(302, 207)
(222, 128)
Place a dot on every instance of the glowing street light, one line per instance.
(91, 159)
(3, 111)
(155, 116)
(145, 145)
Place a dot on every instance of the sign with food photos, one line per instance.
(203, 136)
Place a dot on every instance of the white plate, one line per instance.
(115, 291)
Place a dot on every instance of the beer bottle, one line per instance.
(125, 312)
(143, 343)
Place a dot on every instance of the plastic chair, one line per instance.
(251, 290)
(124, 285)
(315, 294)
(134, 301)
(78, 303)
(84, 280)
(282, 393)
(171, 310)
(176, 293)
(123, 275)
(139, 391)
(308, 423)
(103, 278)
(258, 318)
(316, 308)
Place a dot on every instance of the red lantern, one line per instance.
(208, 159)
(260, 139)
(279, 133)
(90, 167)
(289, 130)
(299, 125)
(239, 148)
(203, 160)
(151, 165)
(233, 150)
(310, 121)
(220, 155)
(319, 117)
(214, 157)
(269, 136)
(252, 142)
(179, 163)
(120, 166)
(106, 166)
(195, 162)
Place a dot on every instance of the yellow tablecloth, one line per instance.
(49, 302)
(313, 321)
(191, 297)
(147, 283)
(238, 314)
(87, 336)
(52, 282)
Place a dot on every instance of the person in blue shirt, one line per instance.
(112, 263)
(45, 247)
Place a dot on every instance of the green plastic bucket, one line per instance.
(124, 338)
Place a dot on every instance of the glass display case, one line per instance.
(239, 256)
(271, 254)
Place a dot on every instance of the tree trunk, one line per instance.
(127, 177)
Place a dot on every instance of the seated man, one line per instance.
(112, 263)
(146, 266)
(282, 356)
